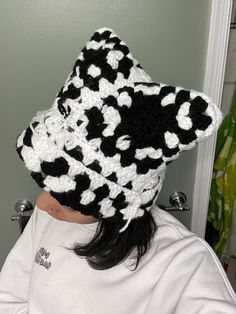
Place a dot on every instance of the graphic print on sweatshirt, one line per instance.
(41, 258)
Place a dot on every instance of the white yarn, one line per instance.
(31, 159)
(106, 88)
(113, 58)
(124, 100)
(148, 151)
(184, 123)
(169, 99)
(123, 143)
(129, 213)
(86, 197)
(94, 44)
(111, 118)
(94, 71)
(89, 98)
(78, 82)
(60, 184)
(19, 141)
(148, 90)
(107, 210)
(171, 139)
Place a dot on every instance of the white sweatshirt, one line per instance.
(180, 274)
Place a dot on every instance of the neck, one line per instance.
(77, 217)
(84, 219)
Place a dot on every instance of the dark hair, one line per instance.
(109, 247)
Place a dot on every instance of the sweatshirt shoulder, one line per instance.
(173, 239)
(166, 221)
(30, 237)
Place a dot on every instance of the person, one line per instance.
(96, 242)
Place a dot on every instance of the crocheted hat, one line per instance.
(105, 142)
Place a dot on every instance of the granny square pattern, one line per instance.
(103, 146)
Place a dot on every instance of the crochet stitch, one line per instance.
(105, 142)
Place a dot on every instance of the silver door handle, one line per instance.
(178, 202)
(26, 213)
(24, 210)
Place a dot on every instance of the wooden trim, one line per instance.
(213, 86)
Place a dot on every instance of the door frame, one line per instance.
(218, 38)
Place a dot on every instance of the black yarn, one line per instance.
(56, 168)
(27, 137)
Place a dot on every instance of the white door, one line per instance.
(39, 43)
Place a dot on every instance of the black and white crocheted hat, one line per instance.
(105, 142)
